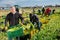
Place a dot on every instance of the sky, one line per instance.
(29, 2)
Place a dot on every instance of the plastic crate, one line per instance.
(15, 33)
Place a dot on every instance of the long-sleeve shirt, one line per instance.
(13, 19)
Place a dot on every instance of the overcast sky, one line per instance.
(29, 2)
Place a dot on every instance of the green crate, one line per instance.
(15, 32)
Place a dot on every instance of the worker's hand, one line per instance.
(6, 28)
(21, 23)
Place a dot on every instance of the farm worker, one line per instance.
(13, 18)
(39, 11)
(34, 19)
(48, 11)
(43, 10)
(17, 9)
(53, 11)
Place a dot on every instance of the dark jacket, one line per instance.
(13, 19)
(34, 18)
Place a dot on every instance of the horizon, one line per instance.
(28, 3)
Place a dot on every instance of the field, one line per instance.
(49, 31)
